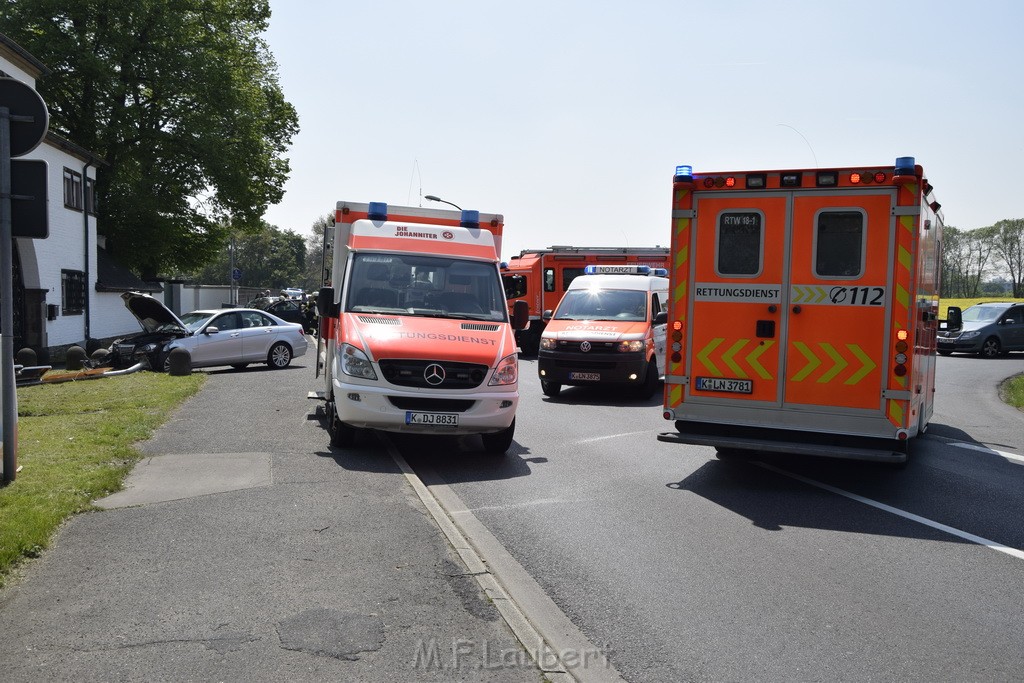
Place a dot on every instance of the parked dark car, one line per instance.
(988, 329)
(292, 310)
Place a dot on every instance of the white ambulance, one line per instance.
(609, 328)
(415, 330)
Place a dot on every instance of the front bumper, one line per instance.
(580, 369)
(965, 346)
(491, 409)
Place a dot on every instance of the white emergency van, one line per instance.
(609, 328)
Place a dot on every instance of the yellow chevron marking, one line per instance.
(907, 223)
(838, 364)
(904, 257)
(675, 395)
(895, 412)
(902, 296)
(867, 365)
(703, 356)
(755, 354)
(812, 362)
(727, 358)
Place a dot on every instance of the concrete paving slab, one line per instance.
(162, 478)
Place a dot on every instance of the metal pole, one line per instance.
(10, 397)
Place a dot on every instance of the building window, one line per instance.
(90, 196)
(72, 292)
(72, 189)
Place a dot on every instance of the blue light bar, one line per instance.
(378, 211)
(470, 219)
(659, 272)
(684, 173)
(904, 166)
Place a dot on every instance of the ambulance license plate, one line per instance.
(432, 419)
(726, 385)
(586, 376)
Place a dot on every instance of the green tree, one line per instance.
(965, 255)
(181, 99)
(268, 258)
(315, 275)
(1007, 239)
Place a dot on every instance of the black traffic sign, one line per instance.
(29, 118)
(28, 199)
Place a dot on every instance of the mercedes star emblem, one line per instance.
(434, 374)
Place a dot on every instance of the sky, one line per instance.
(570, 117)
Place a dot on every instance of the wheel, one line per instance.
(342, 435)
(239, 366)
(990, 348)
(497, 443)
(651, 380)
(551, 389)
(280, 356)
(945, 353)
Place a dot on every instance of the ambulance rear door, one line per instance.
(789, 310)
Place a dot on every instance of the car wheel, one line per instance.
(342, 435)
(166, 364)
(945, 353)
(239, 366)
(497, 443)
(280, 356)
(651, 380)
(990, 348)
(551, 389)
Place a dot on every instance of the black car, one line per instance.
(291, 310)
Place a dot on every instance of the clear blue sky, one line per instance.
(570, 117)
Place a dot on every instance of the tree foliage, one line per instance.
(315, 277)
(181, 99)
(1007, 239)
(268, 258)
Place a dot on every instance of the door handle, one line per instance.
(797, 309)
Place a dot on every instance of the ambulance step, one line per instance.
(317, 395)
(873, 450)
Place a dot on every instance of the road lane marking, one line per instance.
(612, 436)
(986, 449)
(1012, 552)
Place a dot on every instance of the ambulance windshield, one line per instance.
(429, 286)
(603, 304)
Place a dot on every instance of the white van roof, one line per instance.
(643, 283)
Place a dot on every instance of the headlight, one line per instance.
(355, 363)
(148, 348)
(970, 335)
(548, 343)
(631, 346)
(506, 373)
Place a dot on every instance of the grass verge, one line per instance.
(1012, 391)
(76, 443)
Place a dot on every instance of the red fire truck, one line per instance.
(541, 276)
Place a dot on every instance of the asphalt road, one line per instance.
(683, 567)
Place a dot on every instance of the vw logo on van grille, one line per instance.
(433, 374)
(585, 346)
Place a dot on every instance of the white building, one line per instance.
(66, 289)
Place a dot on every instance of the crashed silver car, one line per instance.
(223, 336)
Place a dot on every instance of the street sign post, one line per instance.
(23, 124)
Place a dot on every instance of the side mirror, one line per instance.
(325, 305)
(211, 330)
(546, 315)
(661, 317)
(954, 321)
(520, 315)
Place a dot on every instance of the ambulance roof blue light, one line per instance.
(378, 211)
(470, 219)
(684, 172)
(904, 166)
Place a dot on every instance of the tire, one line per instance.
(945, 353)
(990, 348)
(651, 380)
(342, 435)
(239, 366)
(279, 356)
(551, 389)
(497, 443)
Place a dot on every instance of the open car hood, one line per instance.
(152, 314)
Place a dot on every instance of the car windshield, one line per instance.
(196, 319)
(603, 304)
(979, 314)
(427, 286)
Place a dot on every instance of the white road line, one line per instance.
(986, 449)
(612, 436)
(1013, 552)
